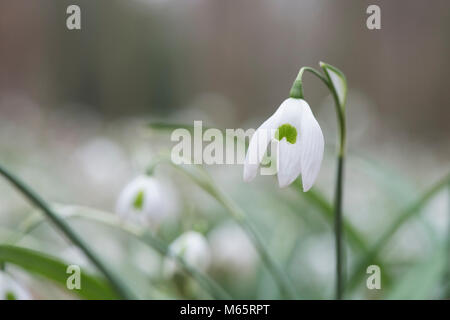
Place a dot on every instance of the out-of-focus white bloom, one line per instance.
(232, 250)
(300, 144)
(98, 158)
(146, 200)
(11, 289)
(193, 248)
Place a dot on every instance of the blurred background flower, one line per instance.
(10, 289)
(193, 248)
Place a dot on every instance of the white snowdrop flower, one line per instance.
(193, 248)
(146, 201)
(232, 250)
(11, 289)
(300, 144)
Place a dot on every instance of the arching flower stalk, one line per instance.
(300, 146)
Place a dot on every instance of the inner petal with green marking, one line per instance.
(286, 131)
(139, 200)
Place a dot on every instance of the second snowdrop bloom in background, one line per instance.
(147, 201)
(300, 144)
(232, 251)
(193, 248)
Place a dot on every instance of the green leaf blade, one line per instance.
(37, 263)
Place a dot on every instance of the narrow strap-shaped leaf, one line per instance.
(408, 213)
(61, 225)
(54, 269)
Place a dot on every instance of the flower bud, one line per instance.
(146, 201)
(193, 248)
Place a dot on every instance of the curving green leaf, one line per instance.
(34, 198)
(402, 217)
(54, 269)
(419, 281)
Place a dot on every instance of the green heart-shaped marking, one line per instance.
(286, 131)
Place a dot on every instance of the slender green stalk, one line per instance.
(203, 180)
(35, 199)
(297, 92)
(297, 88)
(339, 234)
(447, 269)
(338, 231)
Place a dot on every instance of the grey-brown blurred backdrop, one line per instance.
(155, 56)
(232, 60)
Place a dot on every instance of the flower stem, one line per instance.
(338, 219)
(297, 88)
(297, 92)
(447, 269)
(338, 229)
(34, 198)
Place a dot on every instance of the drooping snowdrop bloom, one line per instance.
(300, 144)
(193, 248)
(146, 201)
(11, 289)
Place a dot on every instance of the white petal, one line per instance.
(289, 162)
(289, 154)
(289, 112)
(312, 143)
(258, 146)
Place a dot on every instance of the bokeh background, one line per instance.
(74, 109)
